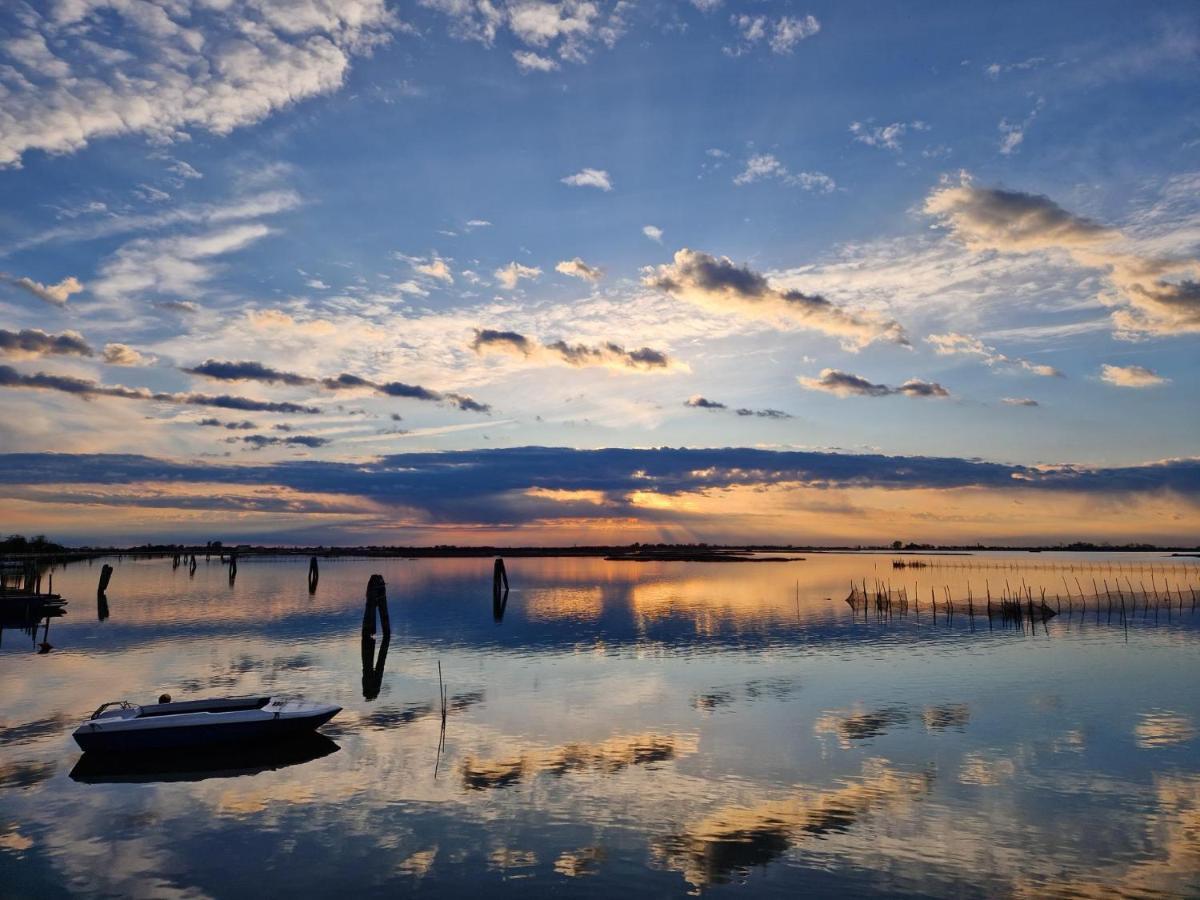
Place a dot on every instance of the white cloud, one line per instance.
(216, 67)
(471, 20)
(570, 29)
(472, 224)
(781, 36)
(1130, 376)
(509, 275)
(252, 206)
(411, 287)
(597, 178)
(30, 51)
(995, 70)
(539, 23)
(124, 355)
(1012, 134)
(54, 294)
(953, 343)
(91, 208)
(184, 170)
(653, 232)
(790, 31)
(577, 268)
(151, 194)
(884, 136)
(764, 165)
(178, 265)
(434, 268)
(528, 61)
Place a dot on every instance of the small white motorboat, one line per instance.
(120, 726)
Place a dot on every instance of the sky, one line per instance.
(475, 271)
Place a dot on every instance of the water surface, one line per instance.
(664, 728)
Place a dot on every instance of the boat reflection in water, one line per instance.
(230, 762)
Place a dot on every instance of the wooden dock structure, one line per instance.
(27, 610)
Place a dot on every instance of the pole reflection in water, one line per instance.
(372, 666)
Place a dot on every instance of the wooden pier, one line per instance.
(27, 610)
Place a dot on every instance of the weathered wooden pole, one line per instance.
(376, 601)
(499, 590)
(314, 575)
(368, 622)
(105, 578)
(192, 565)
(232, 567)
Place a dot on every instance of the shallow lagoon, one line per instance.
(668, 728)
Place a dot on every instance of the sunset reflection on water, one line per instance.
(664, 728)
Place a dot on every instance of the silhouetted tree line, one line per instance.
(18, 543)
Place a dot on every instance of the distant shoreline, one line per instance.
(626, 552)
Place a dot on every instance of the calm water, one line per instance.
(667, 728)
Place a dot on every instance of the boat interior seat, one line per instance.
(236, 704)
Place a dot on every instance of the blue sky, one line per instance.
(941, 230)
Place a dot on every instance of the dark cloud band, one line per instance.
(488, 485)
(35, 342)
(248, 370)
(605, 354)
(846, 384)
(698, 402)
(86, 388)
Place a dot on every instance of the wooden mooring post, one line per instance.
(314, 575)
(105, 578)
(499, 590)
(499, 578)
(376, 603)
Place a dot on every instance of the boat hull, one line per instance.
(102, 738)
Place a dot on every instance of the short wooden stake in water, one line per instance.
(314, 575)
